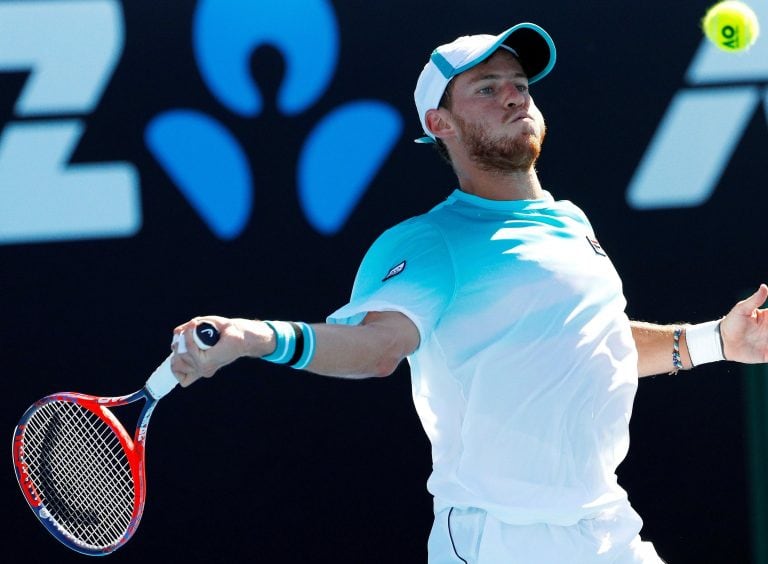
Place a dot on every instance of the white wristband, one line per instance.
(704, 342)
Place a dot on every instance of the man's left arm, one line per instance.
(740, 336)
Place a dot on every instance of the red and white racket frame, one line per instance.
(158, 385)
(134, 448)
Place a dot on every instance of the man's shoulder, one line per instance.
(417, 234)
(568, 208)
(417, 224)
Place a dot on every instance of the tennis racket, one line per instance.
(79, 469)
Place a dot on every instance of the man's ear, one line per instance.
(439, 123)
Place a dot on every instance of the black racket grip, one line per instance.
(206, 335)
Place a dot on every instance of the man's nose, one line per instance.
(513, 97)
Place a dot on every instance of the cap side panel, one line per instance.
(442, 64)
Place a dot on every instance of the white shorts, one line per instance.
(471, 536)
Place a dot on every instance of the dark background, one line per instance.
(265, 464)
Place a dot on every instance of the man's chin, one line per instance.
(516, 152)
(516, 155)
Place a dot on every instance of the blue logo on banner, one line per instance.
(338, 160)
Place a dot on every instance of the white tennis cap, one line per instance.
(528, 42)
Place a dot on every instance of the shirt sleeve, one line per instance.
(408, 269)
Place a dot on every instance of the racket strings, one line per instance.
(81, 472)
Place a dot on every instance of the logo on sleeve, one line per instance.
(394, 271)
(596, 246)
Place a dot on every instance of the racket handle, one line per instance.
(163, 380)
(205, 336)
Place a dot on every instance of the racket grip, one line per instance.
(163, 379)
(205, 336)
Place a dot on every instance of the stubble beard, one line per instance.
(505, 155)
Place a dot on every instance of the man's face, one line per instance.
(497, 123)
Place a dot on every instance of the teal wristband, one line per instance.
(307, 352)
(285, 338)
(295, 344)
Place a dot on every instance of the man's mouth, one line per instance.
(519, 117)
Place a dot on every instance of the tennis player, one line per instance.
(512, 317)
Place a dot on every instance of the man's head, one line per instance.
(533, 53)
(489, 118)
(528, 42)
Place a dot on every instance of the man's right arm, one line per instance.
(372, 349)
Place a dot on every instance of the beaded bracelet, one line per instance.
(677, 362)
(295, 344)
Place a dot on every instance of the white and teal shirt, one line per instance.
(526, 370)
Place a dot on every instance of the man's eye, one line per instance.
(486, 91)
(522, 87)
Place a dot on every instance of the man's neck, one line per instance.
(517, 185)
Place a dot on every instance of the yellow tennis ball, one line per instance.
(731, 25)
